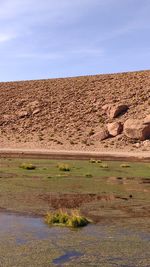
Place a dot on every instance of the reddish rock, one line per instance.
(146, 143)
(114, 111)
(22, 114)
(115, 128)
(136, 129)
(37, 110)
(147, 119)
(101, 135)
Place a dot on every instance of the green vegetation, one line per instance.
(63, 218)
(124, 165)
(27, 166)
(89, 175)
(99, 161)
(64, 167)
(31, 190)
(92, 161)
(104, 165)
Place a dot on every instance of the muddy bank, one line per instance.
(98, 208)
(74, 155)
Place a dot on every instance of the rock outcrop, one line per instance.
(137, 129)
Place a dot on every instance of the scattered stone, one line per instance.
(115, 128)
(137, 145)
(37, 110)
(136, 129)
(7, 118)
(114, 111)
(146, 143)
(101, 135)
(34, 107)
(22, 114)
(105, 107)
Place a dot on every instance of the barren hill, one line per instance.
(66, 113)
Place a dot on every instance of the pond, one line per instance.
(27, 241)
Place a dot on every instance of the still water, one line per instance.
(28, 241)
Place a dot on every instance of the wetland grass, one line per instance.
(27, 166)
(64, 218)
(125, 165)
(64, 167)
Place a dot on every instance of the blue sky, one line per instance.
(61, 38)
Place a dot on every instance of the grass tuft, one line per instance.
(64, 167)
(63, 218)
(99, 161)
(125, 165)
(88, 175)
(104, 166)
(27, 166)
(92, 161)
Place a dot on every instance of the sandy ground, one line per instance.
(63, 114)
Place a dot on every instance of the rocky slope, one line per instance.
(67, 113)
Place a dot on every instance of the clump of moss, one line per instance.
(64, 167)
(92, 161)
(104, 165)
(63, 218)
(125, 165)
(98, 161)
(27, 166)
(88, 175)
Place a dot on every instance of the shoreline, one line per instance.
(74, 155)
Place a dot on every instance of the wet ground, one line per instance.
(27, 241)
(98, 189)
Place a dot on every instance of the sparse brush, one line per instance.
(125, 165)
(62, 218)
(64, 167)
(27, 166)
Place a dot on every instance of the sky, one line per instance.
(61, 38)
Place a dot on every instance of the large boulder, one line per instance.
(114, 111)
(115, 128)
(137, 129)
(101, 135)
(147, 119)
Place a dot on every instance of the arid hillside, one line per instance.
(71, 113)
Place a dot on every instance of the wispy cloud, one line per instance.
(88, 51)
(42, 56)
(62, 54)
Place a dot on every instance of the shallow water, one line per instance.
(35, 244)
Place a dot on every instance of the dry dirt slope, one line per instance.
(60, 113)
